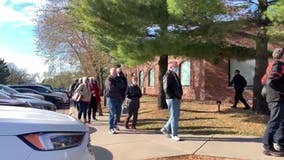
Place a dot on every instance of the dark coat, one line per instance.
(239, 82)
(172, 86)
(275, 83)
(133, 92)
(112, 88)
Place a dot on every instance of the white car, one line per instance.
(33, 134)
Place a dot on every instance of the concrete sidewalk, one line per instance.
(141, 144)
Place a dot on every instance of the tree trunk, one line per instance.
(261, 61)
(163, 65)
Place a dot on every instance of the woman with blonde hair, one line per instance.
(84, 100)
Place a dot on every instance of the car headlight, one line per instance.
(53, 141)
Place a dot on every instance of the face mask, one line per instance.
(134, 82)
(175, 69)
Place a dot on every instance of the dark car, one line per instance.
(35, 103)
(20, 95)
(47, 96)
(8, 101)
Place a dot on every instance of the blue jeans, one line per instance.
(174, 109)
(83, 106)
(118, 112)
(114, 105)
(275, 126)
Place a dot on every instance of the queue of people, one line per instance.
(117, 91)
(85, 94)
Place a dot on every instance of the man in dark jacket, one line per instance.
(275, 99)
(113, 95)
(122, 84)
(173, 90)
(239, 84)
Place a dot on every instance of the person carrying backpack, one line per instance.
(274, 84)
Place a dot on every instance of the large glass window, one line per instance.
(246, 69)
(185, 73)
(151, 78)
(141, 79)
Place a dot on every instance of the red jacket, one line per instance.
(95, 91)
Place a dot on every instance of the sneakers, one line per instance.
(273, 152)
(165, 132)
(112, 131)
(175, 138)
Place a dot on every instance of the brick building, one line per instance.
(201, 80)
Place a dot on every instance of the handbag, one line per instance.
(76, 97)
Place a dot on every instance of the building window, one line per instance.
(246, 68)
(141, 79)
(185, 73)
(151, 78)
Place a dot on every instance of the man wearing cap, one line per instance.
(274, 83)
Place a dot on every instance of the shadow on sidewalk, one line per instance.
(102, 153)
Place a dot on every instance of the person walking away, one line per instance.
(113, 97)
(133, 95)
(239, 83)
(83, 103)
(274, 85)
(93, 103)
(121, 79)
(173, 91)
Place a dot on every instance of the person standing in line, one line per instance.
(113, 97)
(239, 85)
(133, 95)
(98, 97)
(274, 84)
(173, 91)
(121, 79)
(83, 103)
(93, 103)
(76, 104)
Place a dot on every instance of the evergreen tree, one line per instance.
(4, 71)
(136, 31)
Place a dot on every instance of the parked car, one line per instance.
(35, 103)
(8, 101)
(18, 94)
(32, 134)
(59, 99)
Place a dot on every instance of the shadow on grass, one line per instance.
(144, 112)
(198, 111)
(247, 115)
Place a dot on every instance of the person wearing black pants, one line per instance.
(93, 102)
(239, 84)
(274, 84)
(92, 109)
(133, 95)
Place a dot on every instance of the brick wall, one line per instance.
(209, 81)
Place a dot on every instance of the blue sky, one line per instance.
(17, 40)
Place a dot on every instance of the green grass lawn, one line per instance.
(203, 119)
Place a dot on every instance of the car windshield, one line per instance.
(4, 96)
(8, 89)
